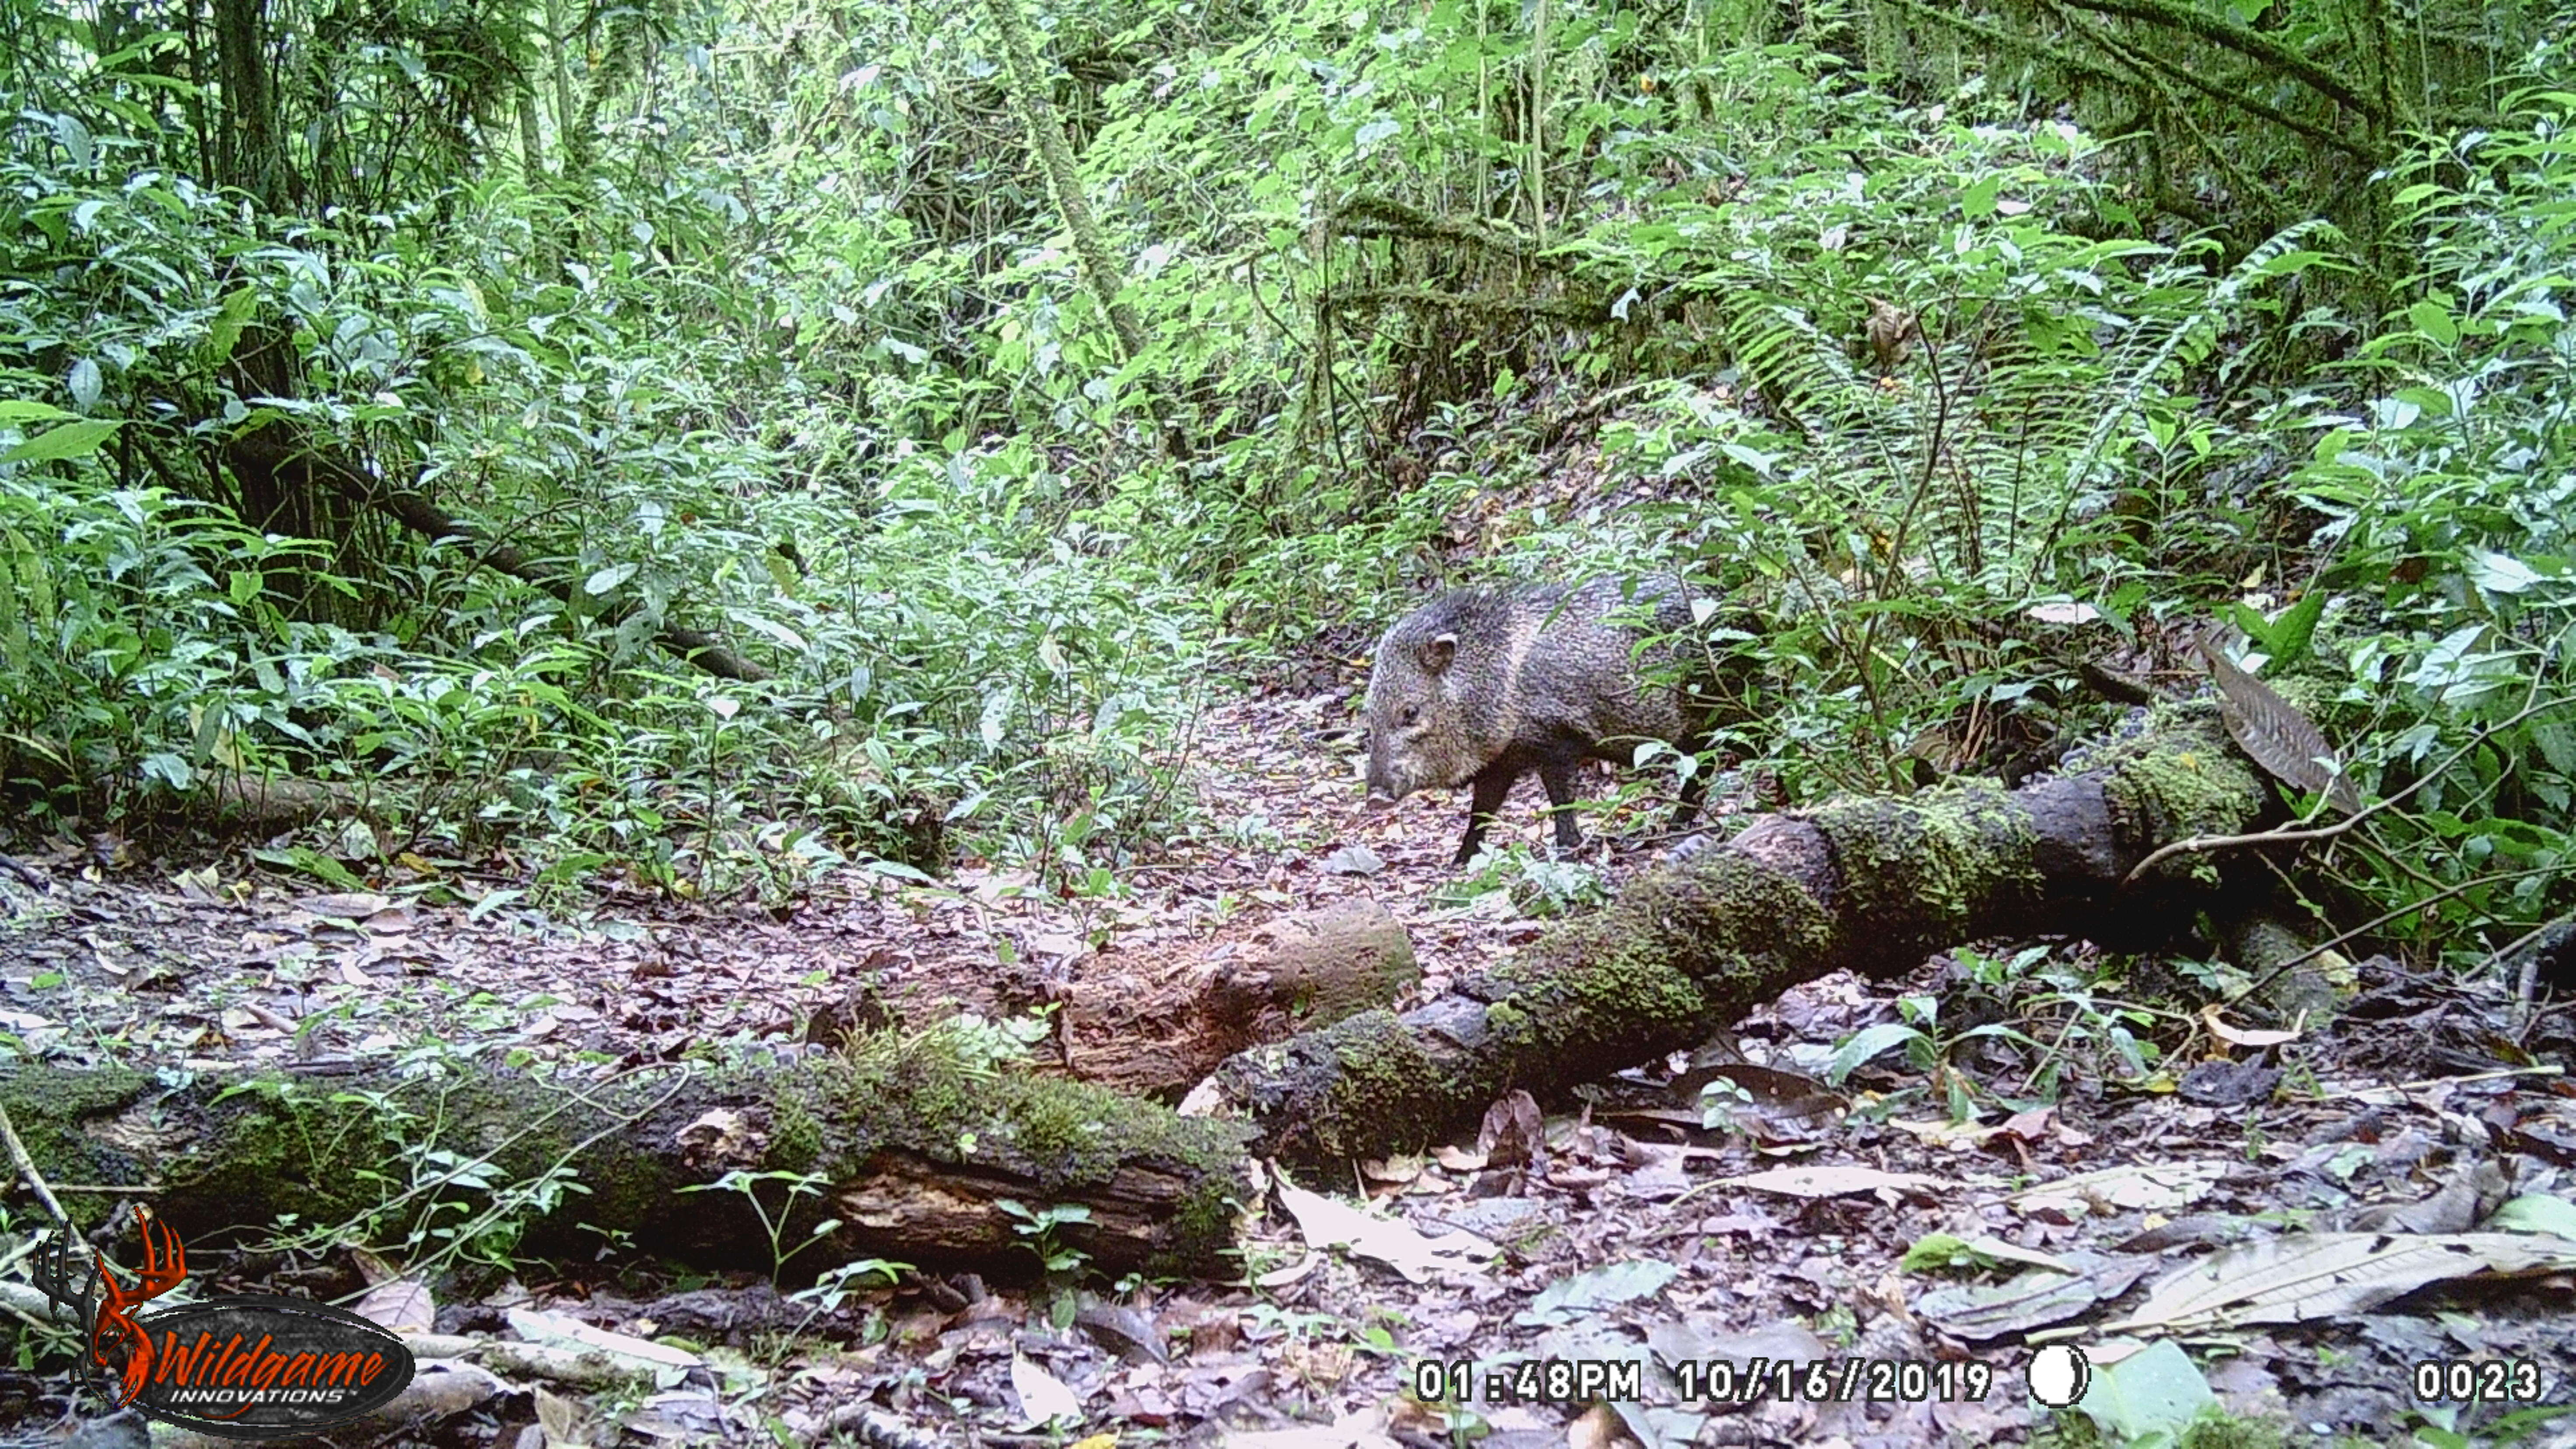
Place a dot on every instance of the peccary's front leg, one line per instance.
(1559, 780)
(1491, 789)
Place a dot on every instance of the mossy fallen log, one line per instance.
(908, 1140)
(1871, 885)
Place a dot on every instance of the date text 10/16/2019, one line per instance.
(1579, 1380)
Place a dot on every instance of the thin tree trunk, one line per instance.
(1101, 274)
(532, 146)
(568, 121)
(249, 151)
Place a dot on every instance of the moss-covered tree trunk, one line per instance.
(1866, 885)
(910, 1146)
(1101, 274)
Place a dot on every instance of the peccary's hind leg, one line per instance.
(1491, 789)
(1559, 780)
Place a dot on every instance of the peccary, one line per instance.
(1480, 686)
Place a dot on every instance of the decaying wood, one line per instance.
(268, 804)
(1154, 1028)
(1867, 885)
(911, 1142)
(1313, 967)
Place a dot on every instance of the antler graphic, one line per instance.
(165, 1265)
(68, 1291)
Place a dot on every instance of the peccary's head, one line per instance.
(1423, 723)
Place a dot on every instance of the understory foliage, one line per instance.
(760, 320)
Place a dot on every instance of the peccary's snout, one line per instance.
(1386, 783)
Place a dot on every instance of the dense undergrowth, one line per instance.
(793, 350)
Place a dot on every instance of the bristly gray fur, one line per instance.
(1482, 685)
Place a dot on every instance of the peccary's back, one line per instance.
(1582, 676)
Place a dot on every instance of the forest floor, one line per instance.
(1635, 1229)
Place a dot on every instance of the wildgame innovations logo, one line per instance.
(243, 1366)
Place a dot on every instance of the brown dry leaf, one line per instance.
(2154, 1187)
(1043, 1397)
(2273, 734)
(402, 1304)
(2032, 1299)
(1458, 1160)
(1364, 1429)
(1779, 1106)
(1781, 1340)
(2031, 1126)
(350, 906)
(1599, 1427)
(1656, 1170)
(1942, 1132)
(560, 1418)
(1512, 1132)
(1397, 1170)
(1836, 1181)
(2306, 1276)
(1327, 1223)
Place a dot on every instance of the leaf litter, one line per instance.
(1625, 1229)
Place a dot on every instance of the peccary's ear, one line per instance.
(1437, 653)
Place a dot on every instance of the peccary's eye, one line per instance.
(1408, 714)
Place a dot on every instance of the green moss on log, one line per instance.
(49, 1112)
(1926, 868)
(2194, 783)
(357, 1154)
(923, 1093)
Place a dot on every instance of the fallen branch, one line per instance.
(899, 1140)
(1868, 885)
(414, 511)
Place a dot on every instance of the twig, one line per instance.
(27, 1172)
(2384, 917)
(2198, 843)
(2396, 1089)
